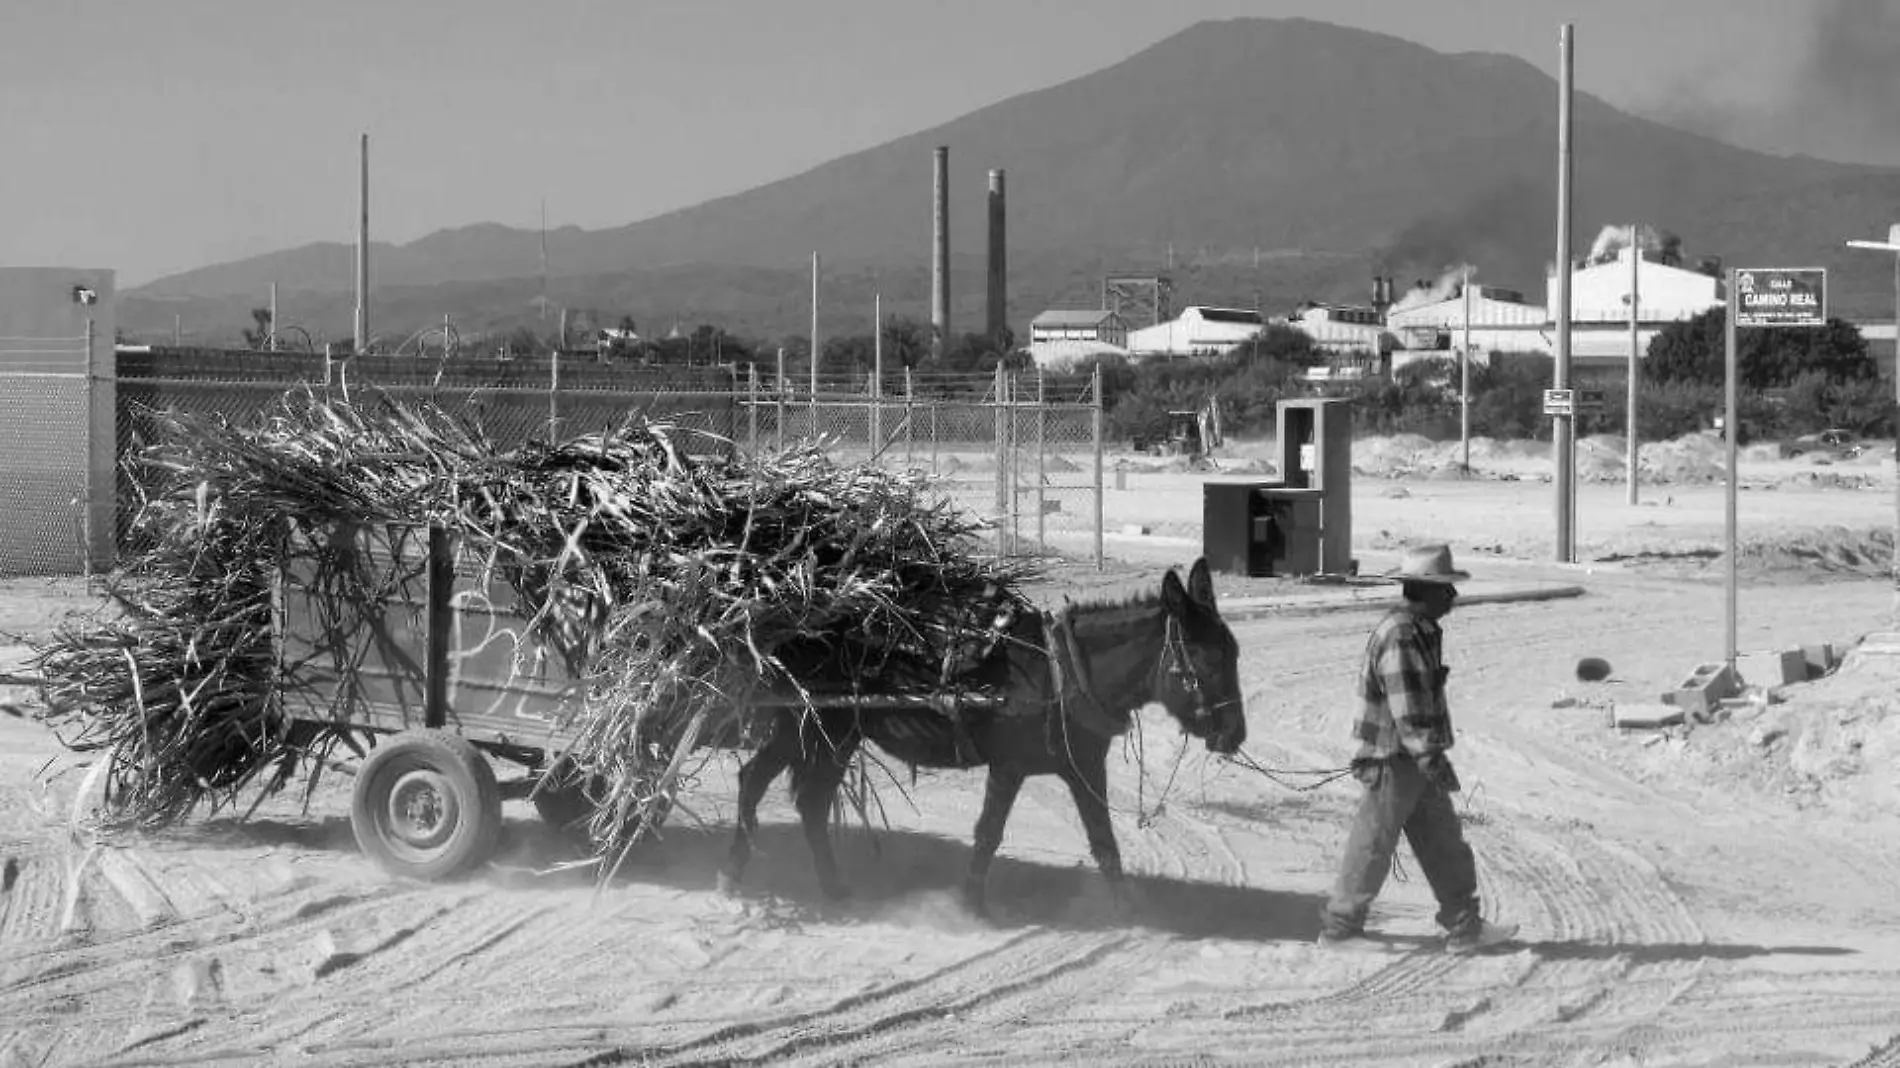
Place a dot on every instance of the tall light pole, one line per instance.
(1892, 244)
(1464, 375)
(1561, 431)
(361, 331)
(1629, 397)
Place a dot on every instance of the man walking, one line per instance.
(1404, 731)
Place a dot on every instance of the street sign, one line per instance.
(1560, 402)
(1589, 400)
(1781, 296)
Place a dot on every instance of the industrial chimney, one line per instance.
(997, 323)
(940, 255)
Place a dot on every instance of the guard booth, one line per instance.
(1301, 523)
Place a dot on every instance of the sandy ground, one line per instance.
(1718, 894)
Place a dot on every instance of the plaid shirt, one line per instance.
(1401, 689)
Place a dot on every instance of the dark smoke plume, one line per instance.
(1843, 101)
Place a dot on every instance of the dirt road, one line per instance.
(1665, 921)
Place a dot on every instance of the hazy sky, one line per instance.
(159, 135)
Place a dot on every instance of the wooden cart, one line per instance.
(427, 665)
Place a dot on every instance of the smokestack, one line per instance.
(362, 255)
(998, 321)
(940, 255)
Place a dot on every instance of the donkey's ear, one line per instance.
(1200, 585)
(1174, 596)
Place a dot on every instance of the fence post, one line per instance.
(1042, 461)
(1095, 418)
(752, 407)
(554, 395)
(326, 365)
(778, 390)
(87, 505)
(1002, 457)
(910, 412)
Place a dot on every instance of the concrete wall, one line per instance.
(58, 441)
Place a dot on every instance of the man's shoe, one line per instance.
(1485, 935)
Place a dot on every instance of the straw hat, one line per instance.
(1427, 563)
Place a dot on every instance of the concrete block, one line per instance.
(1702, 692)
(1645, 717)
(1880, 643)
(1820, 659)
(1771, 669)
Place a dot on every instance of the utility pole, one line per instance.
(1731, 438)
(1629, 397)
(812, 373)
(1562, 430)
(362, 254)
(271, 340)
(1464, 375)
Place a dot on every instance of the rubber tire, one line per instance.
(456, 772)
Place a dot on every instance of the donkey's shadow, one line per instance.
(894, 874)
(898, 873)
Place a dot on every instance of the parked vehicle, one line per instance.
(1834, 443)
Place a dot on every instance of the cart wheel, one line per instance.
(426, 805)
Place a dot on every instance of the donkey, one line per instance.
(1068, 684)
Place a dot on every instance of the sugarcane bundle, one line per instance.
(175, 685)
(669, 573)
(681, 585)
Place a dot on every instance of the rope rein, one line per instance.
(1321, 776)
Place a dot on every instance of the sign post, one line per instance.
(1758, 297)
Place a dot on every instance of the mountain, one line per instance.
(1333, 152)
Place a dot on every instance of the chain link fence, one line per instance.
(45, 389)
(505, 406)
(1022, 451)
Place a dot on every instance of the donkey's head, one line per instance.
(1198, 676)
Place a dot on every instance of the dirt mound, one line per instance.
(1693, 459)
(1832, 550)
(1390, 457)
(1828, 480)
(1598, 461)
(1832, 742)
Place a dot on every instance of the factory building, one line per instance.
(1198, 331)
(1085, 324)
(1341, 329)
(1600, 300)
(1500, 321)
